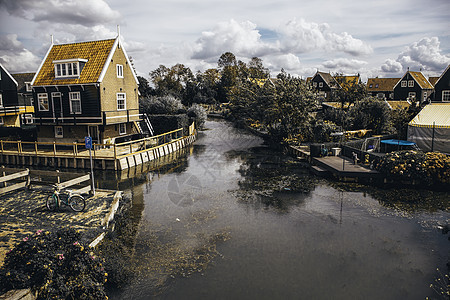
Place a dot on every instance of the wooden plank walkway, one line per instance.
(343, 167)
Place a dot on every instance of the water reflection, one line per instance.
(244, 222)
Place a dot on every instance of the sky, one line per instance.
(372, 37)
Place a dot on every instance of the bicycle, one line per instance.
(69, 198)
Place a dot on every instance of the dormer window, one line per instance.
(69, 68)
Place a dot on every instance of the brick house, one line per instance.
(87, 88)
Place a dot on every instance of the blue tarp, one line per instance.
(398, 142)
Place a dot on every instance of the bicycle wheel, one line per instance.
(77, 203)
(52, 202)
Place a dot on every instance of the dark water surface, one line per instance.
(267, 235)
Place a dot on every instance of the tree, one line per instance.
(370, 113)
(352, 89)
(257, 69)
(144, 88)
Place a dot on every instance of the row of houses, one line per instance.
(411, 86)
(79, 89)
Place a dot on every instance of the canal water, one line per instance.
(232, 219)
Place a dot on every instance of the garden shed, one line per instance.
(430, 129)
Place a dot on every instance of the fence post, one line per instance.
(18, 146)
(58, 178)
(115, 151)
(1, 141)
(54, 148)
(35, 148)
(4, 174)
(74, 149)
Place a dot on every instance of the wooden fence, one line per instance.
(14, 179)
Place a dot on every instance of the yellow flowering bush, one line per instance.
(427, 168)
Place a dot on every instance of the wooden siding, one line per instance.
(8, 89)
(442, 85)
(401, 93)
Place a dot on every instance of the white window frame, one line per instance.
(1, 100)
(122, 128)
(404, 83)
(74, 97)
(119, 69)
(28, 118)
(425, 94)
(120, 105)
(67, 70)
(412, 95)
(410, 83)
(28, 86)
(41, 98)
(320, 84)
(59, 132)
(314, 84)
(445, 95)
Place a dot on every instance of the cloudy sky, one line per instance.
(375, 38)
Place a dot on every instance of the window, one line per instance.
(122, 128)
(1, 100)
(380, 96)
(75, 102)
(376, 85)
(320, 84)
(68, 67)
(410, 83)
(119, 71)
(412, 95)
(371, 85)
(67, 70)
(42, 102)
(59, 132)
(425, 94)
(314, 84)
(121, 101)
(403, 83)
(28, 86)
(446, 95)
(1, 121)
(28, 118)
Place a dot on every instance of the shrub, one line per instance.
(55, 265)
(430, 168)
(161, 105)
(198, 114)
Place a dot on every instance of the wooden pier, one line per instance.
(343, 169)
(118, 156)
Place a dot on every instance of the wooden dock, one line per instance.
(343, 169)
(105, 156)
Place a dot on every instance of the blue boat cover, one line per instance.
(398, 142)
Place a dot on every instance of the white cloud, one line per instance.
(239, 38)
(424, 54)
(283, 61)
(391, 66)
(15, 57)
(301, 37)
(344, 63)
(86, 12)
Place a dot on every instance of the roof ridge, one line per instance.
(85, 42)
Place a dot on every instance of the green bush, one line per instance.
(55, 265)
(426, 168)
(198, 114)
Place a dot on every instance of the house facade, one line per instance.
(87, 88)
(413, 86)
(324, 84)
(381, 88)
(442, 87)
(12, 108)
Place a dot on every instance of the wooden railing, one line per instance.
(99, 151)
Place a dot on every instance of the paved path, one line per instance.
(24, 212)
